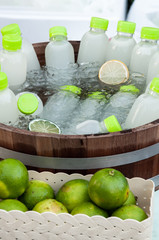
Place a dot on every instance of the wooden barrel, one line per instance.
(134, 152)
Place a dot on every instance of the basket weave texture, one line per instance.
(16, 225)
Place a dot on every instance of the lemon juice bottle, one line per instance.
(109, 124)
(153, 68)
(8, 103)
(27, 47)
(121, 45)
(59, 52)
(13, 61)
(29, 97)
(60, 107)
(146, 107)
(27, 105)
(121, 102)
(94, 43)
(143, 51)
(89, 108)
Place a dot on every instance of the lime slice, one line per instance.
(113, 72)
(45, 126)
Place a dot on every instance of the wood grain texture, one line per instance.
(54, 145)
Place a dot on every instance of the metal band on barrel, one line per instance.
(82, 163)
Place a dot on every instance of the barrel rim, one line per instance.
(140, 129)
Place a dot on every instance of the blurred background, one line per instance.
(35, 17)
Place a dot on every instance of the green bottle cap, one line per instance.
(150, 33)
(27, 103)
(154, 86)
(12, 42)
(97, 95)
(100, 23)
(3, 81)
(58, 30)
(126, 27)
(11, 29)
(71, 88)
(112, 124)
(129, 88)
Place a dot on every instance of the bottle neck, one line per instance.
(58, 38)
(103, 128)
(97, 30)
(129, 92)
(149, 41)
(26, 113)
(123, 34)
(69, 93)
(4, 89)
(153, 93)
(12, 51)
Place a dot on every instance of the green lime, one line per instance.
(130, 212)
(45, 126)
(89, 209)
(12, 204)
(36, 192)
(108, 188)
(14, 178)
(73, 193)
(131, 200)
(50, 205)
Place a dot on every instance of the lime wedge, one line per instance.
(45, 126)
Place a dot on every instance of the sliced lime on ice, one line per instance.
(45, 126)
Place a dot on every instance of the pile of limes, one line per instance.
(106, 194)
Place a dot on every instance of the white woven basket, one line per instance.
(16, 225)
